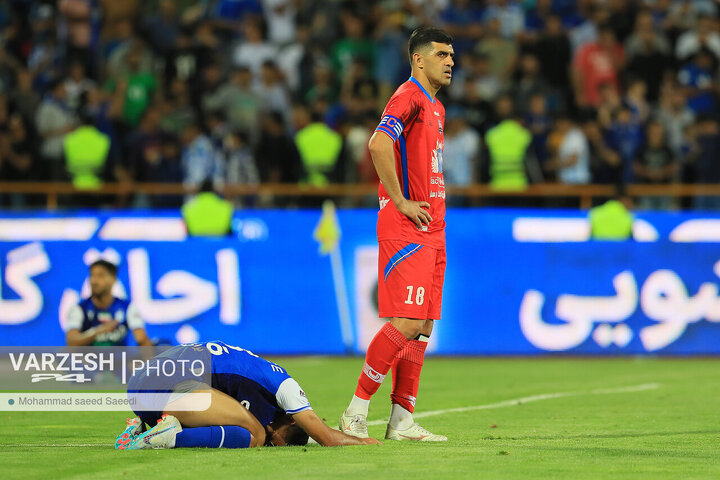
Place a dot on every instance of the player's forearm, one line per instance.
(321, 433)
(383, 157)
(75, 338)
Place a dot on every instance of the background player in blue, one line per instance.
(254, 402)
(103, 319)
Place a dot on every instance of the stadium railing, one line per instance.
(583, 195)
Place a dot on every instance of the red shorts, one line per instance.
(410, 280)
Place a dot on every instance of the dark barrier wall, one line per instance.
(518, 282)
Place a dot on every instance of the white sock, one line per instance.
(358, 406)
(400, 419)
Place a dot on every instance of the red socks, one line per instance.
(381, 353)
(406, 373)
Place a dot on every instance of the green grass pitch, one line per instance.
(630, 418)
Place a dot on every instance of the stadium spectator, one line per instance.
(613, 220)
(280, 16)
(463, 20)
(86, 152)
(163, 27)
(621, 17)
(530, 82)
(570, 158)
(177, 111)
(481, 81)
(319, 148)
(539, 123)
(79, 30)
(697, 78)
(554, 55)
(76, 84)
(103, 319)
(625, 136)
(207, 214)
(137, 88)
(536, 19)
(144, 148)
(461, 152)
(208, 88)
(272, 92)
(648, 55)
(391, 42)
(596, 64)
(360, 165)
(53, 121)
(236, 100)
(240, 164)
(17, 156)
(635, 99)
(655, 164)
(703, 158)
(254, 50)
(200, 160)
(704, 36)
(354, 44)
(675, 116)
(605, 163)
(500, 51)
(510, 14)
(23, 97)
(507, 144)
(587, 30)
(277, 156)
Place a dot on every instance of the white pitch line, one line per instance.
(532, 398)
(506, 403)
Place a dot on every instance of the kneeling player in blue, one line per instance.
(253, 402)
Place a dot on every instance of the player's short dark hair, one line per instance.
(423, 36)
(110, 267)
(296, 436)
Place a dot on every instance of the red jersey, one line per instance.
(415, 121)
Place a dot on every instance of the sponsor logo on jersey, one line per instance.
(373, 374)
(436, 157)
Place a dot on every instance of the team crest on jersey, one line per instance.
(437, 158)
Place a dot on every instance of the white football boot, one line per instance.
(355, 425)
(415, 433)
(161, 435)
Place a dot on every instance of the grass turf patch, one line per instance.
(580, 429)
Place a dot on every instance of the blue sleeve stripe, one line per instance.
(387, 131)
(298, 410)
(404, 166)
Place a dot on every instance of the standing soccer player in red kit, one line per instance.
(406, 149)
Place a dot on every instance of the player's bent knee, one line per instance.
(409, 327)
(257, 439)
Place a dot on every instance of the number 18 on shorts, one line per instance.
(410, 280)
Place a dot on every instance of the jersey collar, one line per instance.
(415, 81)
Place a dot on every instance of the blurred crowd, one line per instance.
(249, 91)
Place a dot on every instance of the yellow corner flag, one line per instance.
(327, 232)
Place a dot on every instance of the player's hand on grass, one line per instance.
(371, 441)
(415, 211)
